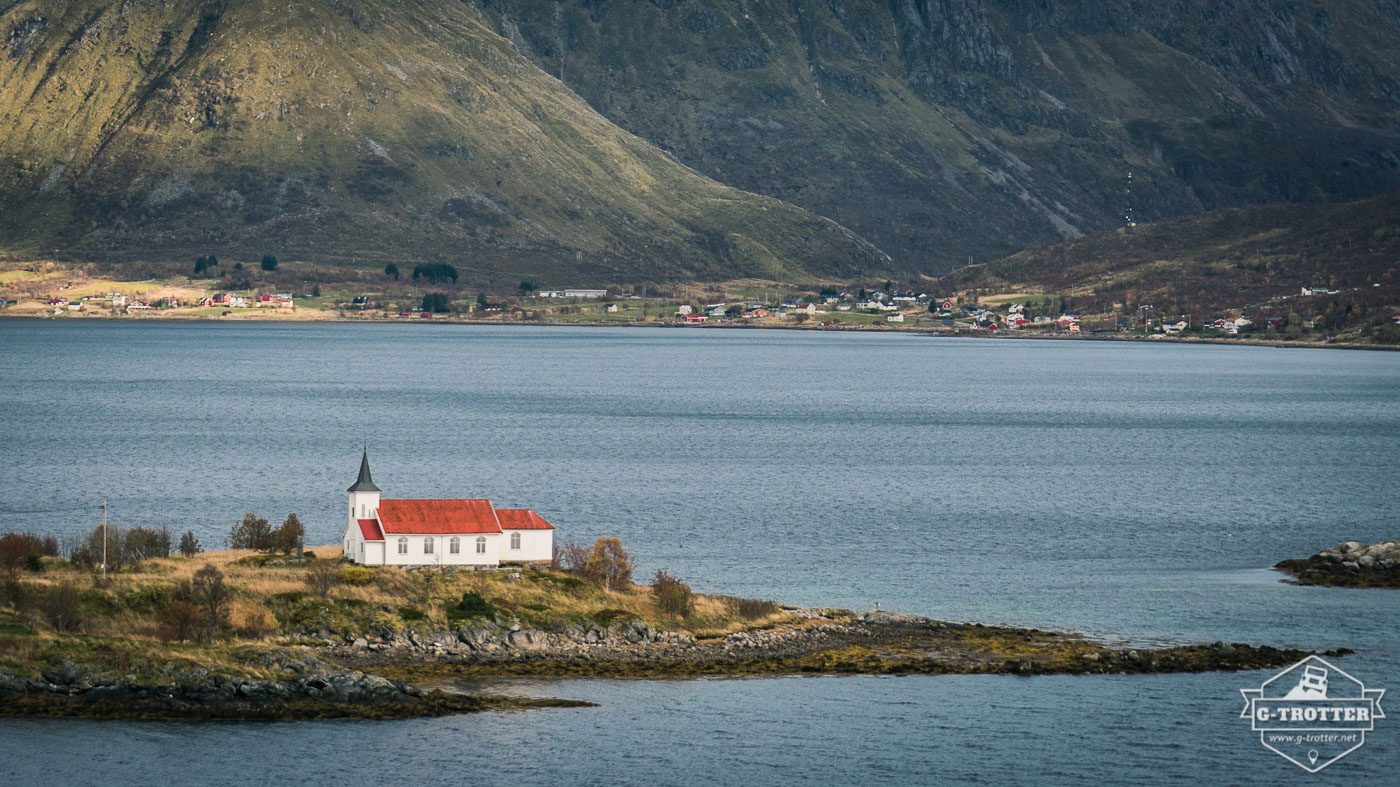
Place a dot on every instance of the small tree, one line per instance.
(14, 551)
(252, 533)
(200, 265)
(527, 287)
(321, 577)
(189, 545)
(392, 270)
(609, 564)
(315, 290)
(481, 300)
(211, 595)
(269, 262)
(672, 596)
(286, 537)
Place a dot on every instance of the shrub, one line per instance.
(179, 621)
(269, 262)
(354, 575)
(472, 605)
(321, 577)
(573, 556)
(251, 621)
(62, 608)
(609, 564)
(672, 596)
(412, 613)
(14, 552)
(34, 564)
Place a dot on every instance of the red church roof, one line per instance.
(521, 519)
(370, 530)
(438, 516)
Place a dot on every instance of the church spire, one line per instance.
(364, 483)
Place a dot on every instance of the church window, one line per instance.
(403, 546)
(481, 545)
(514, 540)
(455, 545)
(428, 545)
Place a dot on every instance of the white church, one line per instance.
(440, 532)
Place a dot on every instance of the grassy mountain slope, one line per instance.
(366, 130)
(1256, 259)
(939, 129)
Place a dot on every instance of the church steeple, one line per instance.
(364, 483)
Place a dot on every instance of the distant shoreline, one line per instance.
(254, 317)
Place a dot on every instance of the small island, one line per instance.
(265, 634)
(1349, 564)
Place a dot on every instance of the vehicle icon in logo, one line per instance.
(1312, 713)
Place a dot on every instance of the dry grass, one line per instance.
(271, 601)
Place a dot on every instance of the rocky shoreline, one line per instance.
(373, 677)
(1349, 564)
(320, 691)
(815, 641)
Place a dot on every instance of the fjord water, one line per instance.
(1137, 492)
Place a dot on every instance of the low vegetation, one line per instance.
(207, 608)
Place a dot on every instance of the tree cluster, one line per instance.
(254, 532)
(435, 272)
(435, 302)
(205, 263)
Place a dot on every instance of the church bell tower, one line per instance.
(364, 495)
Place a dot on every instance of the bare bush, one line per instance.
(211, 595)
(322, 576)
(574, 556)
(180, 621)
(62, 608)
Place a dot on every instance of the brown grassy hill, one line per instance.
(1256, 259)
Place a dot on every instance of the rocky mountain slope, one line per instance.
(356, 130)
(947, 129)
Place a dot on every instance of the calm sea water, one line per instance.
(1138, 492)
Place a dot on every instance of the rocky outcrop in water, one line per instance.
(1349, 564)
(69, 689)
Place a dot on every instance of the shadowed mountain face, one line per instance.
(943, 129)
(363, 130)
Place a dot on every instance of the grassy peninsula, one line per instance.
(250, 635)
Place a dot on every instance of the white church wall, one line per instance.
(535, 545)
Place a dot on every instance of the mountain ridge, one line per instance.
(354, 129)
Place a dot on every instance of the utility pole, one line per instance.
(104, 538)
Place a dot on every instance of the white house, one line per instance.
(470, 532)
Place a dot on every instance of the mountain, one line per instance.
(353, 131)
(1257, 259)
(946, 129)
